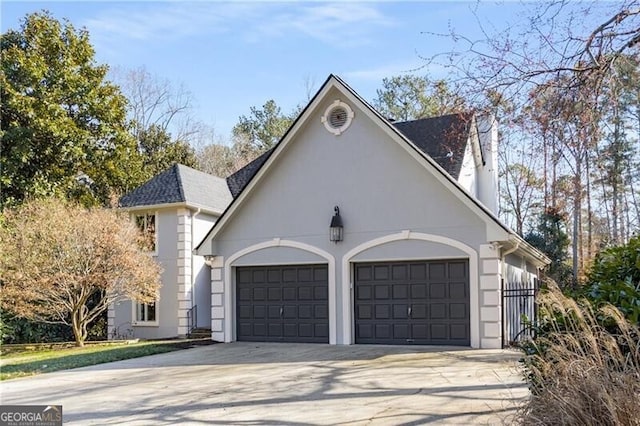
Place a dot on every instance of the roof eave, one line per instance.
(188, 205)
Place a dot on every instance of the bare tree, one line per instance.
(562, 62)
(154, 101)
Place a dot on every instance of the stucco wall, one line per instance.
(166, 225)
(380, 189)
(202, 223)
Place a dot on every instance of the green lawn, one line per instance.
(28, 363)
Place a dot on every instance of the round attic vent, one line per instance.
(337, 117)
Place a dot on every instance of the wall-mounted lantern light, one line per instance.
(335, 229)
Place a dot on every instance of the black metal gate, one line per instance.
(519, 311)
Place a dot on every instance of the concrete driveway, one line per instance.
(285, 384)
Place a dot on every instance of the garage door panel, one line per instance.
(321, 331)
(305, 330)
(305, 293)
(457, 270)
(383, 331)
(459, 331)
(320, 292)
(418, 291)
(363, 292)
(439, 331)
(418, 311)
(259, 311)
(274, 275)
(244, 277)
(258, 276)
(245, 295)
(399, 272)
(289, 293)
(289, 312)
(437, 291)
(321, 312)
(400, 311)
(259, 294)
(382, 312)
(284, 303)
(305, 275)
(380, 273)
(320, 274)
(437, 311)
(257, 329)
(400, 291)
(289, 275)
(420, 331)
(418, 302)
(273, 312)
(305, 311)
(363, 273)
(418, 271)
(365, 332)
(274, 329)
(364, 312)
(437, 271)
(245, 312)
(457, 290)
(458, 311)
(401, 331)
(382, 292)
(274, 293)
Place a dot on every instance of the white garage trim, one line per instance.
(347, 287)
(229, 307)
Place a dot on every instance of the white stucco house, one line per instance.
(176, 209)
(354, 229)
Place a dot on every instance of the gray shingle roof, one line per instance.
(443, 138)
(181, 184)
(241, 178)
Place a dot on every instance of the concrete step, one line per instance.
(200, 333)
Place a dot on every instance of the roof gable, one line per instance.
(180, 184)
(496, 230)
(443, 138)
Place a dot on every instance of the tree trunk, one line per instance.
(78, 323)
(577, 207)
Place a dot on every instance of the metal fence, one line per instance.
(519, 311)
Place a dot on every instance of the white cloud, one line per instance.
(159, 20)
(337, 24)
(343, 24)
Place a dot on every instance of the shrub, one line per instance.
(615, 278)
(579, 372)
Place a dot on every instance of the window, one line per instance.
(145, 314)
(147, 225)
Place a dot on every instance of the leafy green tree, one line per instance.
(410, 97)
(551, 238)
(263, 128)
(159, 151)
(60, 117)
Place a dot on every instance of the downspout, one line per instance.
(193, 275)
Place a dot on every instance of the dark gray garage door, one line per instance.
(425, 302)
(283, 304)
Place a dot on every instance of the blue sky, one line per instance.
(234, 55)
